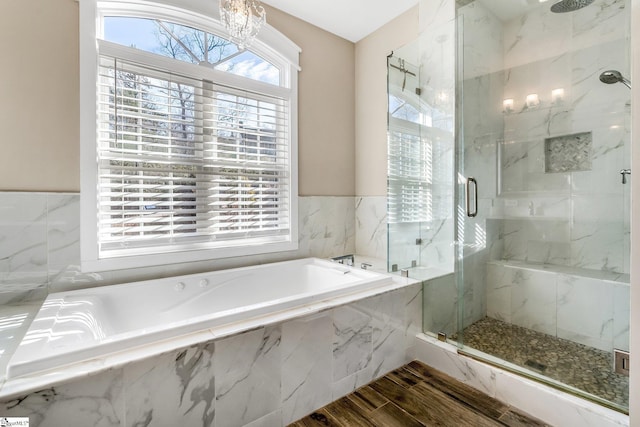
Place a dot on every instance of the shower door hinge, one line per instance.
(621, 362)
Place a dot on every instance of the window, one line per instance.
(194, 153)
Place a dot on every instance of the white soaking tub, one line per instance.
(84, 324)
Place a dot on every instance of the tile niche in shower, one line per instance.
(568, 153)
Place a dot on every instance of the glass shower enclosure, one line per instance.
(539, 204)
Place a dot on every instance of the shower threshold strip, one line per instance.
(523, 372)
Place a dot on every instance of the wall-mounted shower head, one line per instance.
(614, 76)
(569, 5)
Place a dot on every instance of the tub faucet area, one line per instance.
(345, 259)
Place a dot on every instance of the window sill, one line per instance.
(185, 256)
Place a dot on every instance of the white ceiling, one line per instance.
(349, 19)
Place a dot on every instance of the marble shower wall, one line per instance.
(267, 377)
(576, 218)
(560, 303)
(539, 52)
(40, 244)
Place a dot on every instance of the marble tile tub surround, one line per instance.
(591, 308)
(371, 226)
(40, 244)
(269, 376)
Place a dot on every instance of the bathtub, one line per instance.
(84, 324)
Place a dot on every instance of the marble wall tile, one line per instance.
(586, 310)
(578, 296)
(413, 299)
(306, 359)
(499, 281)
(371, 226)
(350, 383)
(441, 305)
(484, 40)
(327, 226)
(537, 239)
(271, 420)
(248, 376)
(597, 245)
(352, 341)
(93, 401)
(513, 233)
(444, 357)
(388, 332)
(23, 245)
(523, 169)
(531, 66)
(437, 248)
(542, 252)
(608, 158)
(553, 406)
(435, 13)
(590, 97)
(535, 36)
(63, 241)
(63, 230)
(621, 313)
(40, 244)
(533, 300)
(495, 240)
(474, 287)
(596, 25)
(177, 388)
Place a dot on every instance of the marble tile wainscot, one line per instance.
(267, 376)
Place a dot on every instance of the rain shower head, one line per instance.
(569, 5)
(614, 76)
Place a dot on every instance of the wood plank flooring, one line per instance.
(416, 395)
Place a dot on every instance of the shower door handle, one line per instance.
(474, 212)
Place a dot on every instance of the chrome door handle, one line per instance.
(470, 213)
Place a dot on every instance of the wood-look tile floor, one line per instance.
(416, 395)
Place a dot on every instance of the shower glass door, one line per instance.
(542, 213)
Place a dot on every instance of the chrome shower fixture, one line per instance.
(569, 5)
(614, 76)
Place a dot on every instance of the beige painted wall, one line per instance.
(371, 100)
(326, 111)
(39, 95)
(39, 105)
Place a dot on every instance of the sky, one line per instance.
(142, 33)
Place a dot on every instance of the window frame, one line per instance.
(270, 44)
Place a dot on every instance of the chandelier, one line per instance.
(242, 19)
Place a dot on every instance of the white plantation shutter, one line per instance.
(184, 163)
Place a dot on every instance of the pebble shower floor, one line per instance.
(577, 365)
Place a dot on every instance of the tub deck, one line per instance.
(81, 325)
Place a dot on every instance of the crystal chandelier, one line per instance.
(243, 19)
